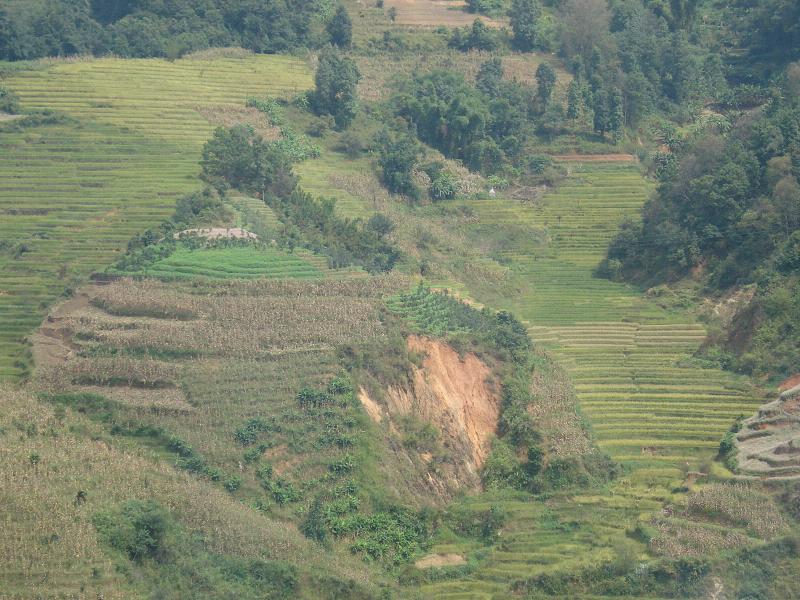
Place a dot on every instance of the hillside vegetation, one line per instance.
(447, 304)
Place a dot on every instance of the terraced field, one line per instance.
(629, 358)
(72, 192)
(648, 406)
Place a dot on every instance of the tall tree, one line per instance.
(616, 115)
(336, 92)
(340, 28)
(489, 77)
(524, 15)
(545, 83)
(574, 100)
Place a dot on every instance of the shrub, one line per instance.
(397, 158)
(352, 144)
(444, 186)
(8, 101)
(137, 529)
(380, 224)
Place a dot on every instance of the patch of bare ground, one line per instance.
(435, 13)
(440, 560)
(455, 394)
(228, 115)
(594, 158)
(5, 117)
(789, 383)
(219, 233)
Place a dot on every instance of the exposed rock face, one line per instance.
(457, 396)
(454, 395)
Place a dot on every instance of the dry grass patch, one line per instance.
(230, 115)
(435, 13)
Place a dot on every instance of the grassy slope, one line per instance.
(622, 351)
(75, 192)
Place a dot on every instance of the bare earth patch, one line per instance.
(452, 393)
(7, 117)
(440, 560)
(373, 410)
(789, 383)
(217, 233)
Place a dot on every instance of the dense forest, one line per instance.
(141, 28)
(728, 208)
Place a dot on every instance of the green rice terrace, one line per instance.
(331, 325)
(125, 144)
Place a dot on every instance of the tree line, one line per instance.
(168, 28)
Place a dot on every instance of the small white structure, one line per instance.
(492, 193)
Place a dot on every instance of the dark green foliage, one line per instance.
(239, 158)
(444, 97)
(380, 224)
(486, 7)
(137, 529)
(344, 241)
(729, 199)
(545, 83)
(489, 77)
(443, 186)
(478, 36)
(680, 578)
(248, 434)
(397, 157)
(141, 28)
(173, 564)
(523, 15)
(483, 525)
(340, 28)
(769, 29)
(389, 534)
(9, 102)
(502, 468)
(336, 94)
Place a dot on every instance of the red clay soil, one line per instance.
(789, 383)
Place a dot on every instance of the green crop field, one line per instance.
(236, 262)
(73, 191)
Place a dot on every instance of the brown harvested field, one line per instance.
(435, 13)
(595, 158)
(199, 360)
